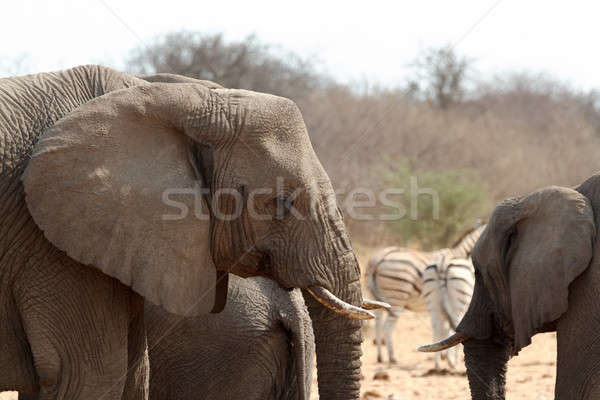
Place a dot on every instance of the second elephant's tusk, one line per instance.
(328, 299)
(452, 341)
(374, 305)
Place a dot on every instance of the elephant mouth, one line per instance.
(326, 298)
(332, 302)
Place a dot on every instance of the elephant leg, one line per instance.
(76, 321)
(379, 333)
(390, 323)
(16, 362)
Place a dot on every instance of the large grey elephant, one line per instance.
(114, 189)
(537, 269)
(260, 347)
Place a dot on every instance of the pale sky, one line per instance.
(375, 40)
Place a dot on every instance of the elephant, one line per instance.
(537, 269)
(260, 347)
(115, 189)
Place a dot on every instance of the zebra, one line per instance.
(395, 276)
(447, 290)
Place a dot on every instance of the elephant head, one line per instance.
(163, 185)
(532, 250)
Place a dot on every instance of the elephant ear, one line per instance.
(112, 184)
(546, 242)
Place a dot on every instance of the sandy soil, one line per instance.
(530, 375)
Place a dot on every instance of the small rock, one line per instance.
(371, 394)
(524, 379)
(381, 375)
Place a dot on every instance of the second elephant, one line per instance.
(261, 346)
(537, 269)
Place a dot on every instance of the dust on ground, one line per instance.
(530, 376)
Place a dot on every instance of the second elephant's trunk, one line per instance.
(486, 369)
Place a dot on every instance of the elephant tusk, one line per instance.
(328, 300)
(452, 341)
(375, 305)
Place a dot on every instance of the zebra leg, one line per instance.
(445, 332)
(390, 323)
(378, 332)
(439, 330)
(453, 357)
(439, 326)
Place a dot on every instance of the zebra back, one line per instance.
(448, 287)
(395, 275)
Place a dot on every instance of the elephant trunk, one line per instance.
(486, 368)
(486, 353)
(338, 339)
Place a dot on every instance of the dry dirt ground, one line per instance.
(530, 375)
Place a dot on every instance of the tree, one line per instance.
(440, 76)
(245, 64)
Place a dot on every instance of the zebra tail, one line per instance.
(374, 290)
(446, 309)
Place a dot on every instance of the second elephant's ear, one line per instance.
(112, 184)
(546, 241)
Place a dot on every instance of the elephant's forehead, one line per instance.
(266, 113)
(274, 143)
(289, 157)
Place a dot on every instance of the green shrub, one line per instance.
(439, 205)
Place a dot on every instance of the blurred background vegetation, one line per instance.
(460, 194)
(474, 141)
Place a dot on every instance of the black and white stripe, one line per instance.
(447, 289)
(395, 275)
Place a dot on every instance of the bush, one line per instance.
(439, 205)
